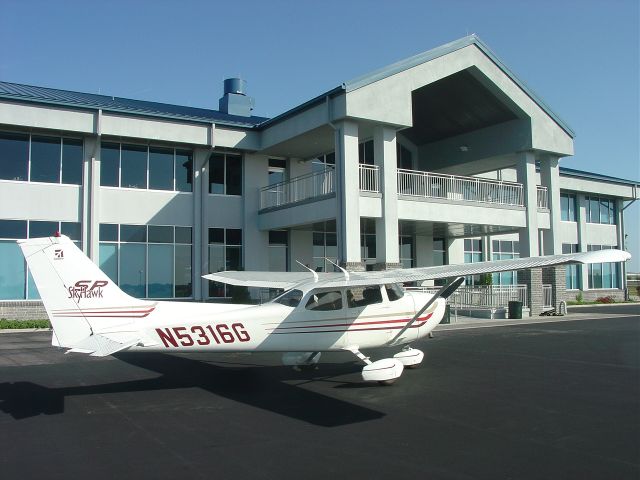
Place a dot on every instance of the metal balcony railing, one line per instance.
(298, 189)
(484, 296)
(457, 188)
(369, 178)
(543, 198)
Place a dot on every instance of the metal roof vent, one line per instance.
(235, 101)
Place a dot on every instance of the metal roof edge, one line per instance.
(571, 172)
(300, 108)
(129, 111)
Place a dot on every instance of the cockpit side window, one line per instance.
(325, 301)
(290, 299)
(394, 292)
(361, 297)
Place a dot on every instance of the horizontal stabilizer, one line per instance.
(101, 346)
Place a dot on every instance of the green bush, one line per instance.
(15, 324)
(579, 298)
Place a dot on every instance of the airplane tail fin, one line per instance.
(88, 311)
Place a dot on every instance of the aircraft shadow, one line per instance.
(259, 386)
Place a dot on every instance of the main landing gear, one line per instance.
(301, 360)
(388, 370)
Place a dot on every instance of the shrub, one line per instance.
(579, 297)
(14, 324)
(607, 299)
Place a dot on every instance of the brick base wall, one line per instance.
(593, 295)
(23, 310)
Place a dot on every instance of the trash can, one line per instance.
(447, 314)
(515, 309)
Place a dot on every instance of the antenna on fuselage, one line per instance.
(346, 274)
(315, 275)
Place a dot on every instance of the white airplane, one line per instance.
(318, 312)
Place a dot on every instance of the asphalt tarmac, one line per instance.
(540, 401)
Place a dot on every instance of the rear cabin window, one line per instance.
(290, 299)
(325, 301)
(361, 297)
(394, 292)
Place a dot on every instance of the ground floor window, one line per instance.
(472, 254)
(573, 272)
(225, 253)
(602, 275)
(16, 282)
(325, 246)
(505, 250)
(368, 242)
(278, 250)
(148, 261)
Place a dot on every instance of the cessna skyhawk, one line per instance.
(317, 312)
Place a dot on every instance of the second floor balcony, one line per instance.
(411, 184)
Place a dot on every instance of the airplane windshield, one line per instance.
(290, 299)
(394, 291)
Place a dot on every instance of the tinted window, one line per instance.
(14, 154)
(325, 301)
(160, 282)
(45, 159)
(72, 230)
(42, 229)
(184, 171)
(108, 232)
(183, 234)
(216, 174)
(183, 269)
(109, 164)
(234, 236)
(160, 234)
(72, 161)
(13, 229)
(134, 166)
(216, 235)
(133, 233)
(161, 168)
(234, 175)
(133, 269)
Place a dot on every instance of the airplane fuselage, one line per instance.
(276, 327)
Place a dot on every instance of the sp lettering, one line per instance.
(87, 289)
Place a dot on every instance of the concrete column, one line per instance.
(550, 178)
(90, 197)
(199, 197)
(455, 251)
(583, 270)
(348, 195)
(255, 241)
(556, 277)
(526, 173)
(622, 281)
(532, 278)
(424, 254)
(487, 250)
(385, 155)
(300, 249)
(200, 233)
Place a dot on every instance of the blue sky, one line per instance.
(581, 57)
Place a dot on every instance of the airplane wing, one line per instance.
(288, 280)
(284, 280)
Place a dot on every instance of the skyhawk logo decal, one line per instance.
(58, 254)
(87, 289)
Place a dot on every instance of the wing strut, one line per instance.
(445, 292)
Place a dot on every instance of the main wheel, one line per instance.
(387, 383)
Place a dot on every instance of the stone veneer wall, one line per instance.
(593, 295)
(23, 310)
